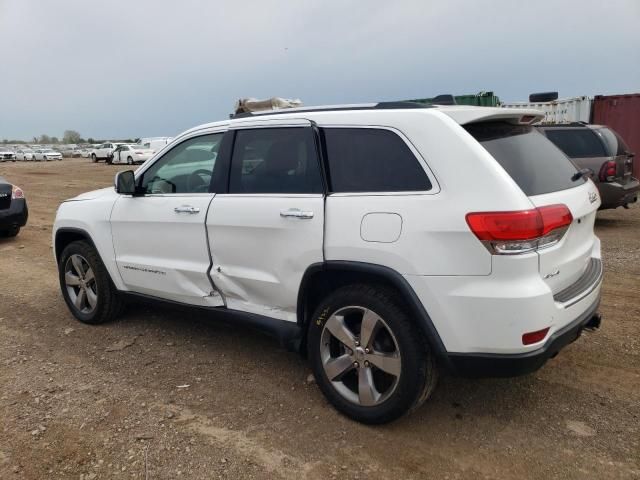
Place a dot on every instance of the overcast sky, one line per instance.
(131, 68)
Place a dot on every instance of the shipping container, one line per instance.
(622, 113)
(566, 110)
(482, 99)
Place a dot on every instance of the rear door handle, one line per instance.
(186, 209)
(296, 213)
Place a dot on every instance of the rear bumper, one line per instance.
(616, 194)
(479, 365)
(14, 216)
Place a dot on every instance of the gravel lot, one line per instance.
(173, 394)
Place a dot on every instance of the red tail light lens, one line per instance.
(534, 337)
(16, 192)
(608, 171)
(520, 231)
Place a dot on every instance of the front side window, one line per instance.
(275, 160)
(372, 160)
(186, 168)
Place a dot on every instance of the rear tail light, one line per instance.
(534, 337)
(16, 192)
(523, 231)
(608, 171)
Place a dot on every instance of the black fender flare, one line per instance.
(75, 232)
(388, 274)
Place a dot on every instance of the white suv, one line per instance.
(384, 241)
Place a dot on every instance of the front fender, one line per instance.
(91, 220)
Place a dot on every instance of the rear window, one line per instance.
(533, 162)
(372, 160)
(577, 143)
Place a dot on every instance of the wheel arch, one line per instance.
(66, 235)
(322, 278)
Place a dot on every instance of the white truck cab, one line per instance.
(387, 241)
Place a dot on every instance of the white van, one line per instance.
(155, 143)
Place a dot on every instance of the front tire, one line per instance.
(94, 159)
(368, 357)
(129, 161)
(86, 286)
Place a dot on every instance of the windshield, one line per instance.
(533, 162)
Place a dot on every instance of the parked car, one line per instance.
(351, 235)
(104, 152)
(7, 155)
(602, 150)
(85, 152)
(13, 209)
(131, 154)
(24, 154)
(155, 143)
(46, 154)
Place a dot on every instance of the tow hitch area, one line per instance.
(594, 322)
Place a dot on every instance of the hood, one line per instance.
(103, 192)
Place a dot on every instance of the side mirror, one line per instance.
(126, 183)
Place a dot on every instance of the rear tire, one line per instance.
(12, 232)
(359, 387)
(94, 159)
(86, 286)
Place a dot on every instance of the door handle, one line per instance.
(186, 209)
(296, 213)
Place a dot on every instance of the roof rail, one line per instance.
(569, 124)
(335, 108)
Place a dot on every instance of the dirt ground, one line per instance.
(166, 394)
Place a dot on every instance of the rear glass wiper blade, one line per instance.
(583, 172)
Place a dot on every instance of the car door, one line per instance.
(268, 228)
(159, 236)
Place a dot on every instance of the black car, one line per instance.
(13, 209)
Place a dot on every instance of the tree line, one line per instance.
(69, 137)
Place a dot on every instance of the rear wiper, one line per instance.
(583, 172)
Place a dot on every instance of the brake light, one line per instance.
(508, 233)
(534, 337)
(608, 171)
(16, 192)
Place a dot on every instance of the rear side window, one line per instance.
(275, 160)
(577, 143)
(533, 162)
(614, 142)
(372, 160)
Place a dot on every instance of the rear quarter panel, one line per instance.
(435, 238)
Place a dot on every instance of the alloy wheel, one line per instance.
(80, 283)
(360, 356)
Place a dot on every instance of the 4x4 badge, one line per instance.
(593, 197)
